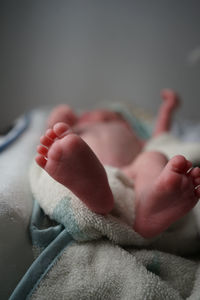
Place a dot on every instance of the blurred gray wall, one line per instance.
(87, 51)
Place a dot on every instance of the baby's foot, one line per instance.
(172, 100)
(70, 161)
(175, 192)
(62, 113)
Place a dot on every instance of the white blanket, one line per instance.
(16, 203)
(16, 200)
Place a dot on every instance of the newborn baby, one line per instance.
(75, 149)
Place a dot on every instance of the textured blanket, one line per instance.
(17, 148)
(82, 255)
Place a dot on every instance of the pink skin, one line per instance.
(62, 113)
(66, 157)
(164, 119)
(164, 191)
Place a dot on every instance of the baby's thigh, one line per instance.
(95, 142)
(150, 162)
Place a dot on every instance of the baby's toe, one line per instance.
(196, 181)
(46, 141)
(197, 191)
(42, 150)
(179, 164)
(40, 160)
(61, 129)
(195, 172)
(189, 165)
(51, 134)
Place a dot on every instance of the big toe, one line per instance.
(61, 129)
(179, 164)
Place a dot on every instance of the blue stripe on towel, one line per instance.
(142, 128)
(42, 235)
(58, 238)
(20, 126)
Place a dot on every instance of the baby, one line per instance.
(75, 149)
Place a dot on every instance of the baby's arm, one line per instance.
(164, 118)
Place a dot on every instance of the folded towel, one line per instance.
(60, 204)
(17, 149)
(171, 145)
(104, 261)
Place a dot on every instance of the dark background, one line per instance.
(84, 52)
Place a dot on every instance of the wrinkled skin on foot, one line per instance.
(70, 161)
(173, 194)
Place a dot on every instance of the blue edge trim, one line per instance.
(55, 239)
(16, 131)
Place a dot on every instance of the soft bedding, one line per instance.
(99, 267)
(17, 149)
(88, 256)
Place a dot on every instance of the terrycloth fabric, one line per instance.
(103, 264)
(62, 205)
(104, 261)
(16, 153)
(171, 145)
(102, 270)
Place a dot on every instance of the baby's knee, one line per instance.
(152, 157)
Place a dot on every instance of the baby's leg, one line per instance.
(165, 191)
(70, 161)
(164, 119)
(62, 113)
